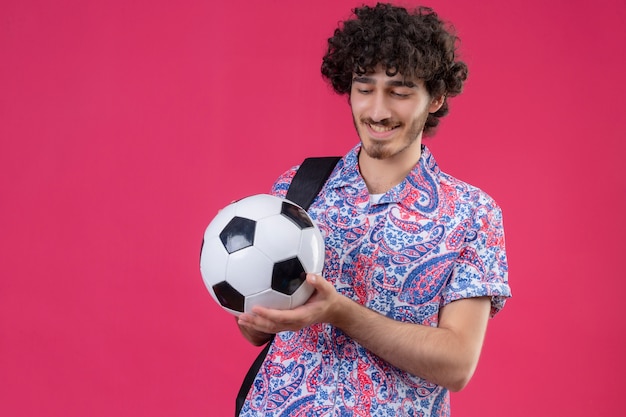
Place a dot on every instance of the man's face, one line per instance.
(389, 113)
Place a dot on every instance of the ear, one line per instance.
(436, 103)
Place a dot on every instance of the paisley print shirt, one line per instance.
(427, 242)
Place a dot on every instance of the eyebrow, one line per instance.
(391, 83)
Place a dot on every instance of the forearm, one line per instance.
(441, 355)
(445, 355)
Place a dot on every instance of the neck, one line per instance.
(381, 175)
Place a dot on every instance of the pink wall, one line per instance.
(125, 126)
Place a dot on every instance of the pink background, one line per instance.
(126, 125)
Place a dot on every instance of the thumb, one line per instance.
(316, 281)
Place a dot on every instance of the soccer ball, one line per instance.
(257, 251)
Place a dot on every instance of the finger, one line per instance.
(258, 318)
(318, 282)
(256, 323)
(246, 320)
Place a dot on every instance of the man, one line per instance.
(415, 259)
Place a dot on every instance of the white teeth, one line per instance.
(381, 129)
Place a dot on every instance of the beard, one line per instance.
(382, 149)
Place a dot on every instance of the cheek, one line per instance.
(418, 112)
(359, 102)
(355, 103)
(357, 109)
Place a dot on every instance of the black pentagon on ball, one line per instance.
(238, 234)
(296, 214)
(228, 296)
(287, 276)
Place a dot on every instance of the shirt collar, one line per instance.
(419, 191)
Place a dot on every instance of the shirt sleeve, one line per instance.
(281, 185)
(481, 269)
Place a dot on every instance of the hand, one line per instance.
(320, 308)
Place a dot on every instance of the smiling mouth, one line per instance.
(380, 127)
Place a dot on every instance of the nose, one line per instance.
(379, 109)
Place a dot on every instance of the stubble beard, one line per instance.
(377, 149)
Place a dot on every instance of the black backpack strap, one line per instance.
(309, 180)
(250, 375)
(304, 187)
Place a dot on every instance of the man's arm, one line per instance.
(446, 355)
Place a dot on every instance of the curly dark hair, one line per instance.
(416, 45)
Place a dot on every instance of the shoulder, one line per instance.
(461, 202)
(342, 172)
(464, 192)
(281, 185)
